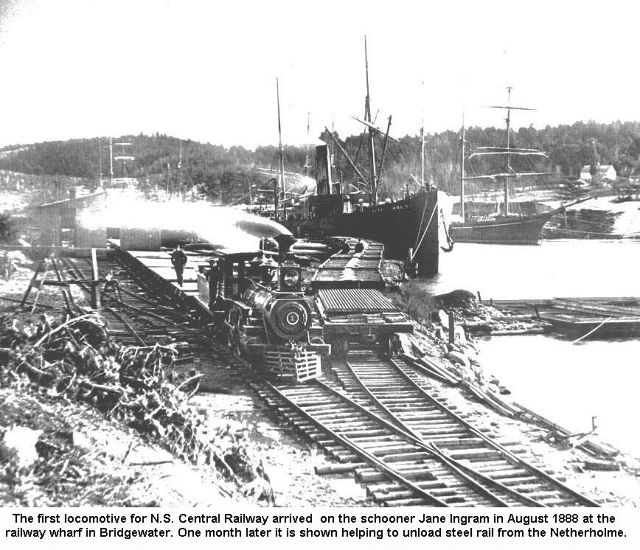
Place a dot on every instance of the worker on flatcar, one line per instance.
(179, 260)
(359, 247)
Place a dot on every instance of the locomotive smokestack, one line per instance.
(284, 245)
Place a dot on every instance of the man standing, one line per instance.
(179, 260)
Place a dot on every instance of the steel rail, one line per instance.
(461, 469)
(430, 448)
(348, 442)
(515, 460)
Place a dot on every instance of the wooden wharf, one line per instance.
(577, 317)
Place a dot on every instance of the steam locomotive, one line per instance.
(263, 309)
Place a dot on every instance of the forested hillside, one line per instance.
(227, 174)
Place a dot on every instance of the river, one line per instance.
(568, 383)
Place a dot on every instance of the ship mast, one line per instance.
(367, 118)
(110, 161)
(180, 172)
(281, 159)
(423, 183)
(508, 151)
(375, 172)
(508, 168)
(99, 162)
(462, 174)
(307, 158)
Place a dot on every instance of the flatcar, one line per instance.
(262, 307)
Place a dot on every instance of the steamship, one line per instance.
(408, 228)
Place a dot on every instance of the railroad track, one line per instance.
(133, 316)
(376, 417)
(406, 446)
(138, 316)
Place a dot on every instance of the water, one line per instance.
(568, 383)
(554, 268)
(571, 383)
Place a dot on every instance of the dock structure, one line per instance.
(154, 269)
(577, 317)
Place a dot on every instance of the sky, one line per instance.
(206, 69)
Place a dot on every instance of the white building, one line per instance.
(605, 174)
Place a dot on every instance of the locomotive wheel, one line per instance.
(234, 318)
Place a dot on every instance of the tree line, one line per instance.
(227, 174)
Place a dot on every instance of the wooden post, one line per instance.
(95, 295)
(66, 289)
(31, 283)
(41, 282)
(452, 329)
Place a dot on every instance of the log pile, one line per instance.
(76, 359)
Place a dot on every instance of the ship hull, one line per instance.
(408, 224)
(524, 230)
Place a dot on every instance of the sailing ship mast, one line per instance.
(367, 118)
(462, 212)
(307, 158)
(508, 169)
(180, 171)
(281, 185)
(422, 144)
(375, 171)
(110, 161)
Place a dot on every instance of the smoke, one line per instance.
(219, 225)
